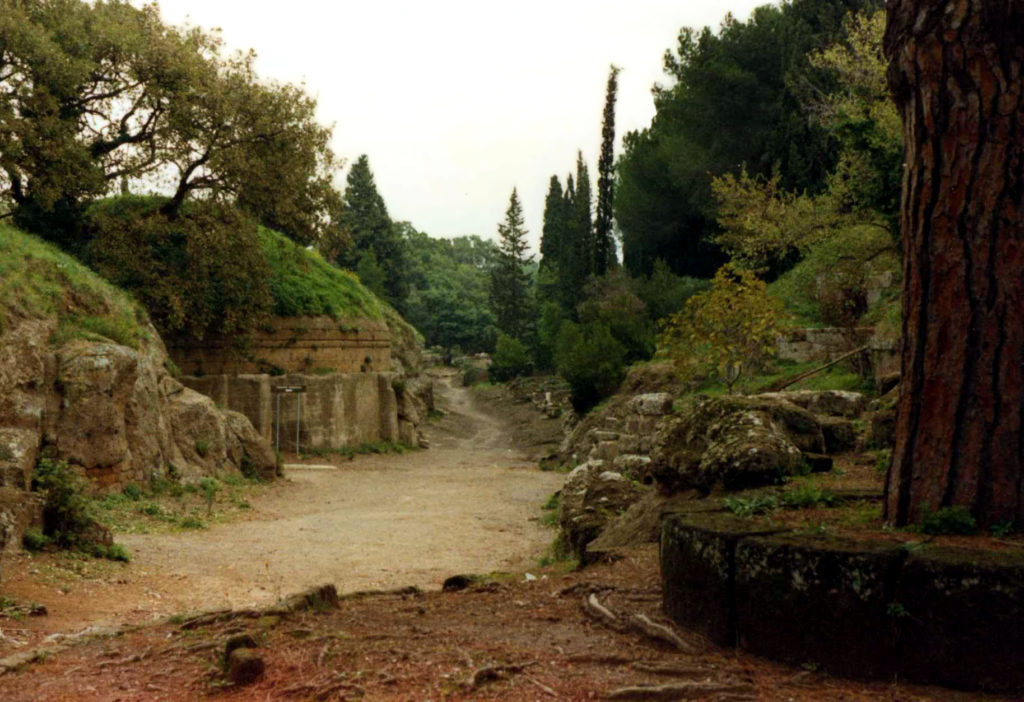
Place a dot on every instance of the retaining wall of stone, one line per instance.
(336, 410)
(874, 609)
(824, 344)
(291, 344)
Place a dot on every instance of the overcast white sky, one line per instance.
(455, 101)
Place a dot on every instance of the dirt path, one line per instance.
(469, 504)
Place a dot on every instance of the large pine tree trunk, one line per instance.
(956, 74)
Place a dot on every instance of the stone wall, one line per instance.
(858, 608)
(824, 344)
(293, 345)
(337, 410)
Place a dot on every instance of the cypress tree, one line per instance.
(553, 235)
(581, 245)
(510, 283)
(604, 246)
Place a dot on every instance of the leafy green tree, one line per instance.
(365, 219)
(857, 108)
(510, 282)
(735, 97)
(371, 274)
(554, 247)
(612, 301)
(450, 281)
(200, 272)
(725, 331)
(548, 325)
(604, 243)
(664, 293)
(95, 95)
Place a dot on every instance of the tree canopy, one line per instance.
(96, 95)
(735, 97)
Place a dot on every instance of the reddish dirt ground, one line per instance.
(474, 511)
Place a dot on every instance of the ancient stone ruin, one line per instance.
(311, 383)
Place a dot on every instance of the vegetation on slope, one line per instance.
(303, 283)
(37, 280)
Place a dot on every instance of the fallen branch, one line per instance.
(678, 691)
(786, 382)
(544, 688)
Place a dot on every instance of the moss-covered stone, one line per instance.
(964, 618)
(826, 600)
(733, 442)
(698, 570)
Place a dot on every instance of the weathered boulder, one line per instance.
(840, 434)
(652, 404)
(734, 443)
(18, 511)
(591, 497)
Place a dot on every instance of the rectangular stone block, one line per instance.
(804, 598)
(697, 567)
(962, 618)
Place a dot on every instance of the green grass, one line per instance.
(168, 506)
(37, 281)
(304, 284)
(361, 449)
(838, 377)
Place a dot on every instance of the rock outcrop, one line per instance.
(113, 412)
(592, 497)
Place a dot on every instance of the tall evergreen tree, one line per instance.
(510, 282)
(366, 220)
(581, 233)
(604, 246)
(959, 435)
(552, 245)
(555, 219)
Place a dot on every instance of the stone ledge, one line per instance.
(857, 608)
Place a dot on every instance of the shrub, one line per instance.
(202, 448)
(66, 517)
(133, 492)
(726, 331)
(35, 540)
(591, 361)
(949, 520)
(511, 359)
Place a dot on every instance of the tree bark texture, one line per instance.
(955, 73)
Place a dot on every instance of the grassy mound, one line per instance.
(38, 281)
(303, 283)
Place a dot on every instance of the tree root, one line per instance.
(678, 671)
(637, 623)
(493, 672)
(679, 691)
